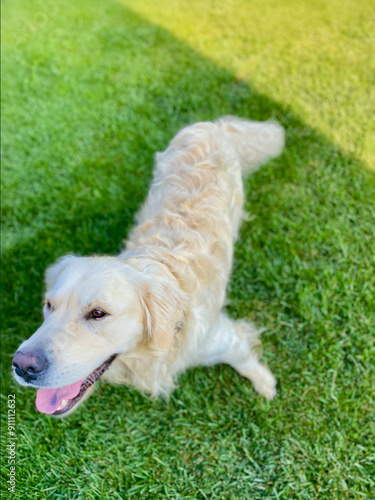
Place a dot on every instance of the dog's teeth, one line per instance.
(62, 405)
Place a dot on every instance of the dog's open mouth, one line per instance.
(63, 399)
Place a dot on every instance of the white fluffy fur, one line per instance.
(165, 293)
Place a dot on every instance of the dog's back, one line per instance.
(194, 208)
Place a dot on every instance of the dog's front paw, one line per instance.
(265, 382)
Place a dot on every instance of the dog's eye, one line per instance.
(97, 314)
(48, 305)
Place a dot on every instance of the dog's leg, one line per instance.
(234, 343)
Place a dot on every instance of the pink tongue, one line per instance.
(47, 400)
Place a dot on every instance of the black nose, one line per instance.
(29, 365)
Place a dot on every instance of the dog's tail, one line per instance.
(255, 142)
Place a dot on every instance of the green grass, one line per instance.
(91, 90)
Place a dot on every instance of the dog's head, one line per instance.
(95, 309)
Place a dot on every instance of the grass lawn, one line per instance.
(91, 90)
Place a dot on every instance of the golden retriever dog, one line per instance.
(144, 317)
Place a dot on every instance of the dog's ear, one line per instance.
(54, 271)
(162, 302)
